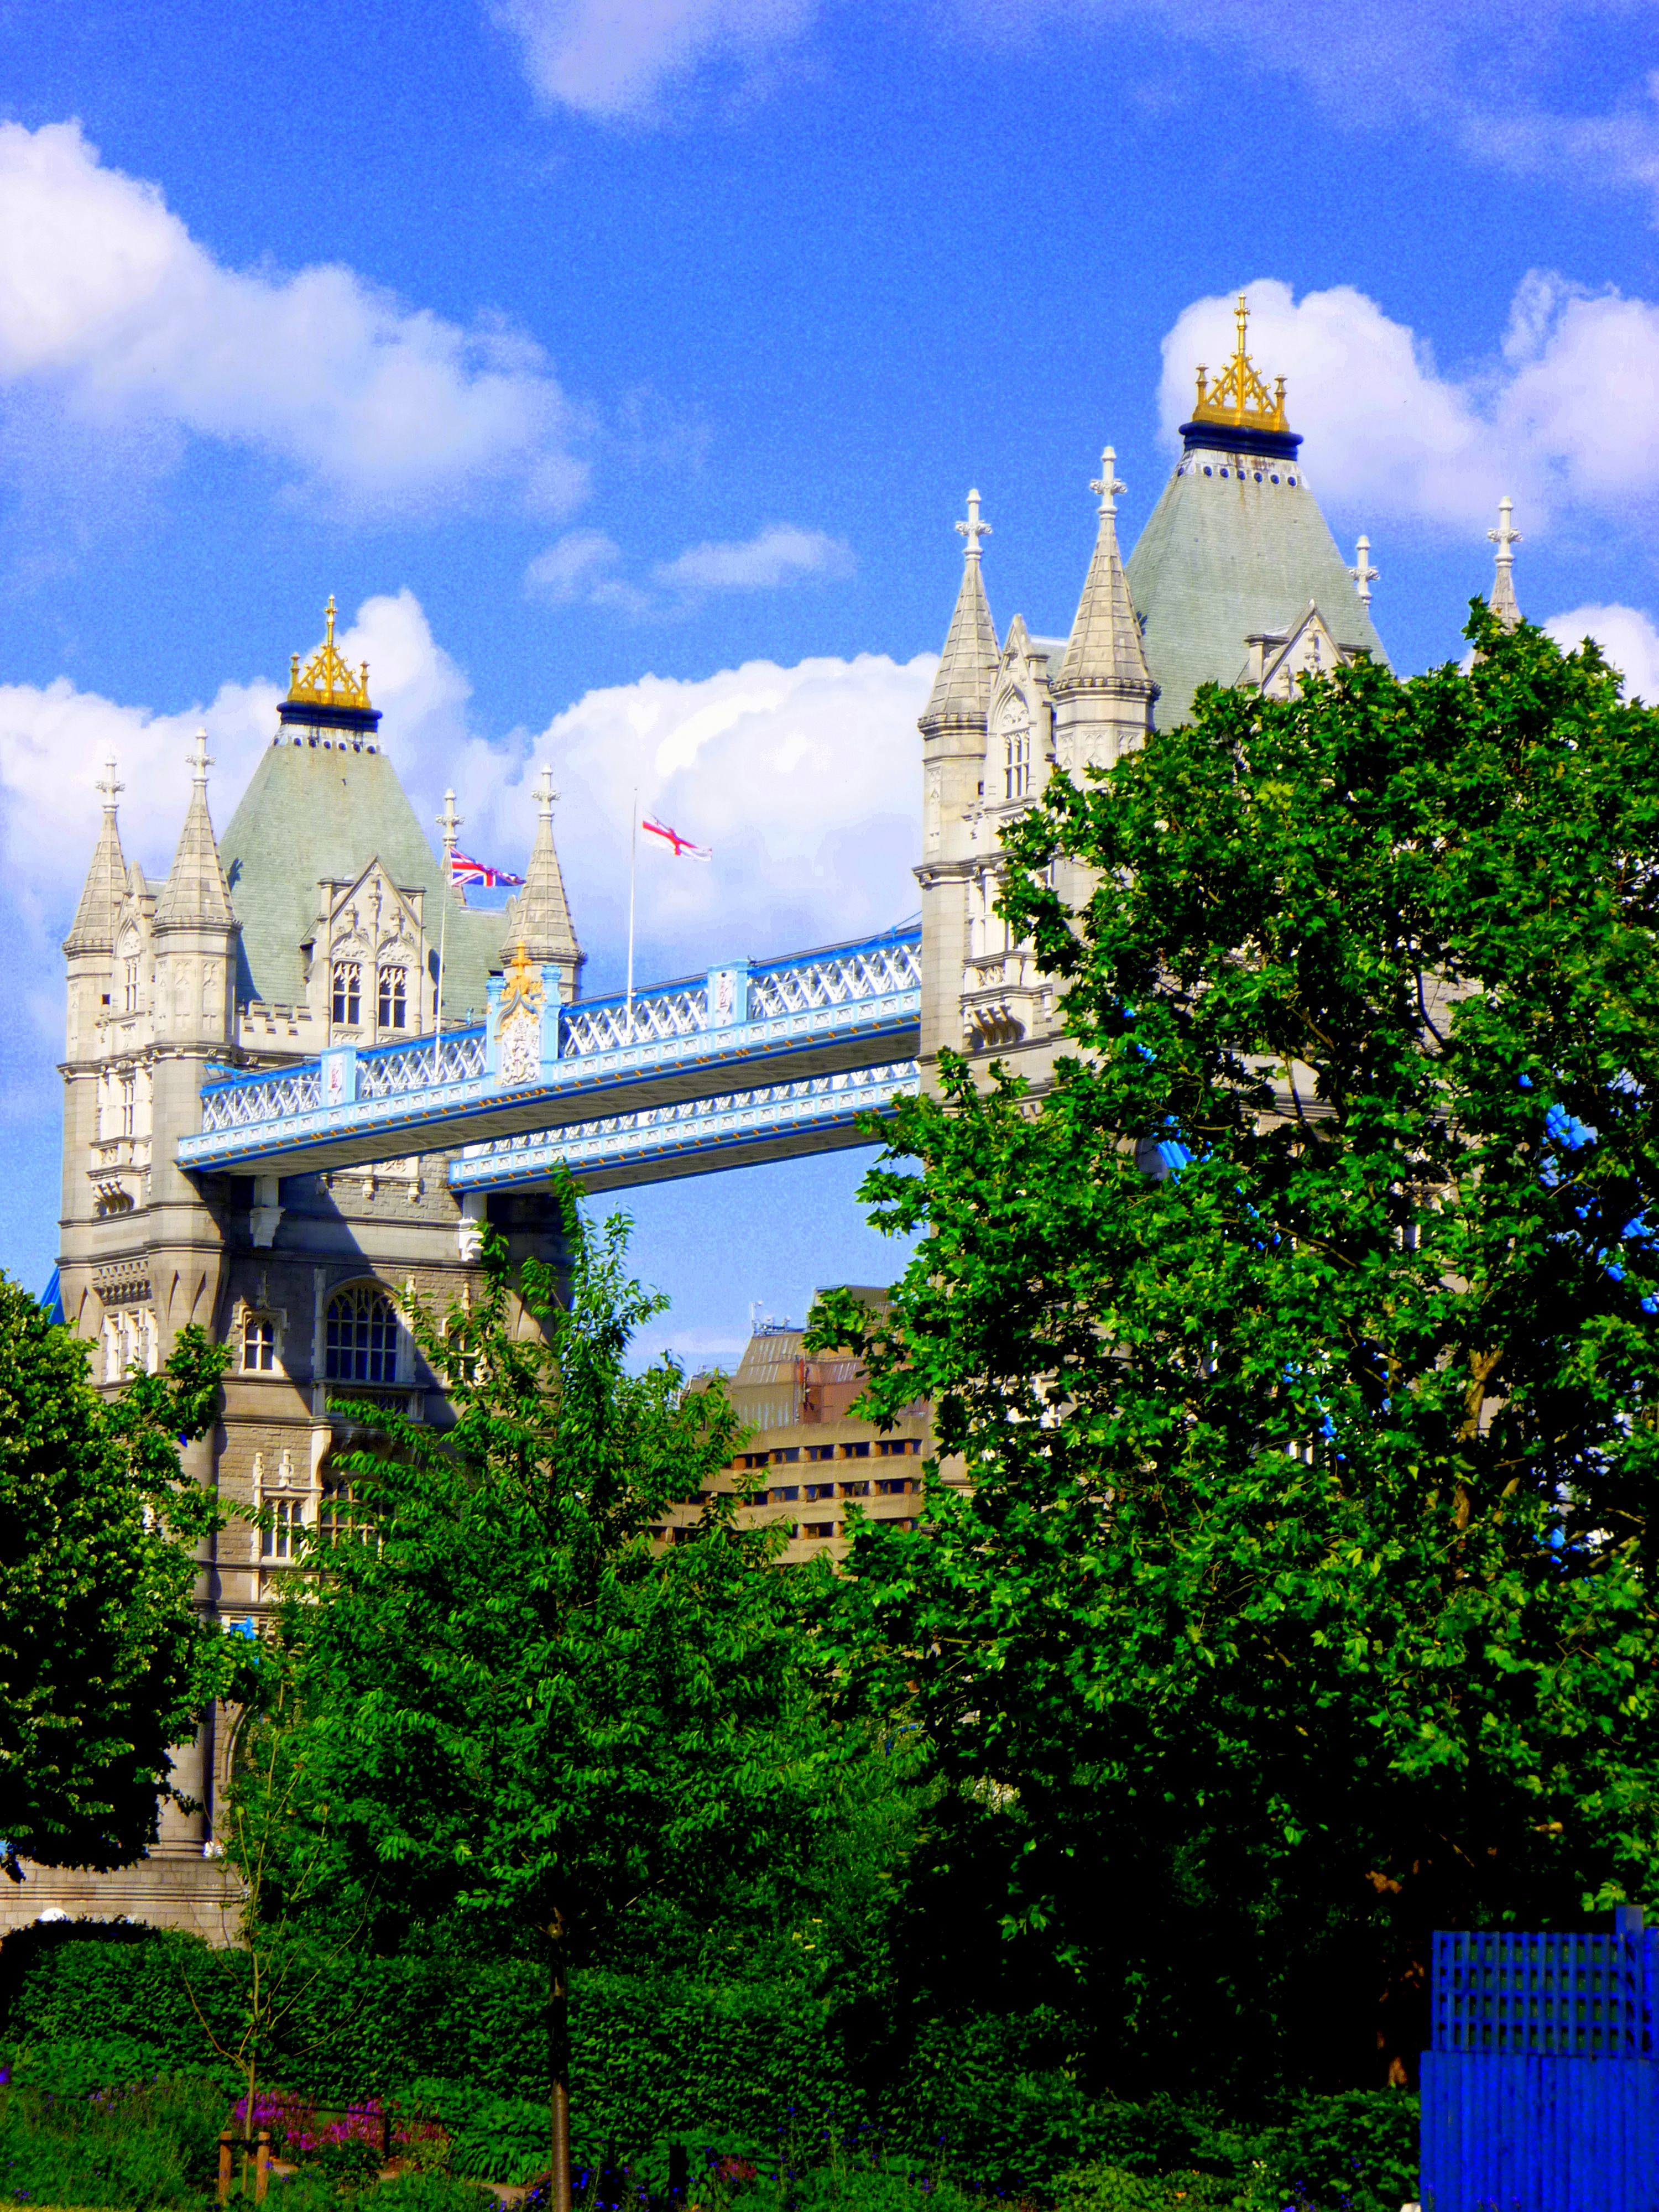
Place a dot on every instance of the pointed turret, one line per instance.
(961, 689)
(196, 895)
(93, 927)
(538, 917)
(1104, 691)
(1502, 601)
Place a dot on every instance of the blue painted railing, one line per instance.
(1540, 2090)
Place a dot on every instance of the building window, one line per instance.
(129, 986)
(820, 1452)
(347, 993)
(786, 1496)
(283, 1539)
(258, 1345)
(820, 1489)
(1017, 764)
(334, 1523)
(362, 1340)
(394, 987)
(129, 1104)
(855, 1451)
(895, 1488)
(855, 1490)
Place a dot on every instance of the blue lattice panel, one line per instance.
(1577, 1995)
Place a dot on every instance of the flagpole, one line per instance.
(633, 861)
(449, 822)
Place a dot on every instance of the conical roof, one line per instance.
(93, 927)
(1104, 647)
(961, 696)
(196, 895)
(538, 916)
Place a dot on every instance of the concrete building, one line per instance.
(316, 920)
(808, 1457)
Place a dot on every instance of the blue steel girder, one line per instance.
(813, 1015)
(741, 1128)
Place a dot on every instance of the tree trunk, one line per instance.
(558, 2064)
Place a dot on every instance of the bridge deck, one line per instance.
(806, 1021)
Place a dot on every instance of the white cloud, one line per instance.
(615, 58)
(584, 566)
(1626, 635)
(1565, 412)
(107, 301)
(781, 554)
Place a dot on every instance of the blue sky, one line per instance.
(622, 368)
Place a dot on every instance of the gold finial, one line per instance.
(326, 680)
(521, 984)
(1239, 396)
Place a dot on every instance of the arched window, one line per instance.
(362, 1340)
(258, 1345)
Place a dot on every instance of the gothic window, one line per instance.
(347, 993)
(258, 1345)
(362, 1339)
(129, 986)
(286, 1533)
(1017, 764)
(129, 1110)
(394, 987)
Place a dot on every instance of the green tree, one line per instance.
(1300, 1345)
(518, 1713)
(104, 1660)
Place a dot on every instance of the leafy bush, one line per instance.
(148, 2144)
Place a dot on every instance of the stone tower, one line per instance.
(1236, 579)
(317, 919)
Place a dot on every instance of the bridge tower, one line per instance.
(315, 921)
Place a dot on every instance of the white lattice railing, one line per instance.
(604, 1025)
(457, 1058)
(242, 1104)
(836, 978)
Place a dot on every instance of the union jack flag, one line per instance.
(683, 848)
(481, 875)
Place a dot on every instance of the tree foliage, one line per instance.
(105, 1660)
(1300, 1345)
(516, 1713)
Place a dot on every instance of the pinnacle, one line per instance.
(195, 894)
(1105, 645)
(961, 695)
(94, 927)
(538, 917)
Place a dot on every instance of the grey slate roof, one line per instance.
(1224, 557)
(312, 814)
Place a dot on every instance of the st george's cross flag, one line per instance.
(681, 847)
(480, 874)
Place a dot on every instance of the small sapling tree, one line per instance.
(516, 1706)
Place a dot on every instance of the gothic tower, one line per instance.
(322, 916)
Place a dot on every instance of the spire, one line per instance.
(961, 695)
(1362, 572)
(93, 927)
(1104, 647)
(196, 895)
(538, 917)
(1502, 602)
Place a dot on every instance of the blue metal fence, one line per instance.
(1540, 2091)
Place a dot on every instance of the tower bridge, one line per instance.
(301, 1074)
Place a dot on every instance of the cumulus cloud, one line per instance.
(108, 304)
(1626, 635)
(780, 554)
(615, 59)
(584, 565)
(1565, 412)
(1506, 87)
